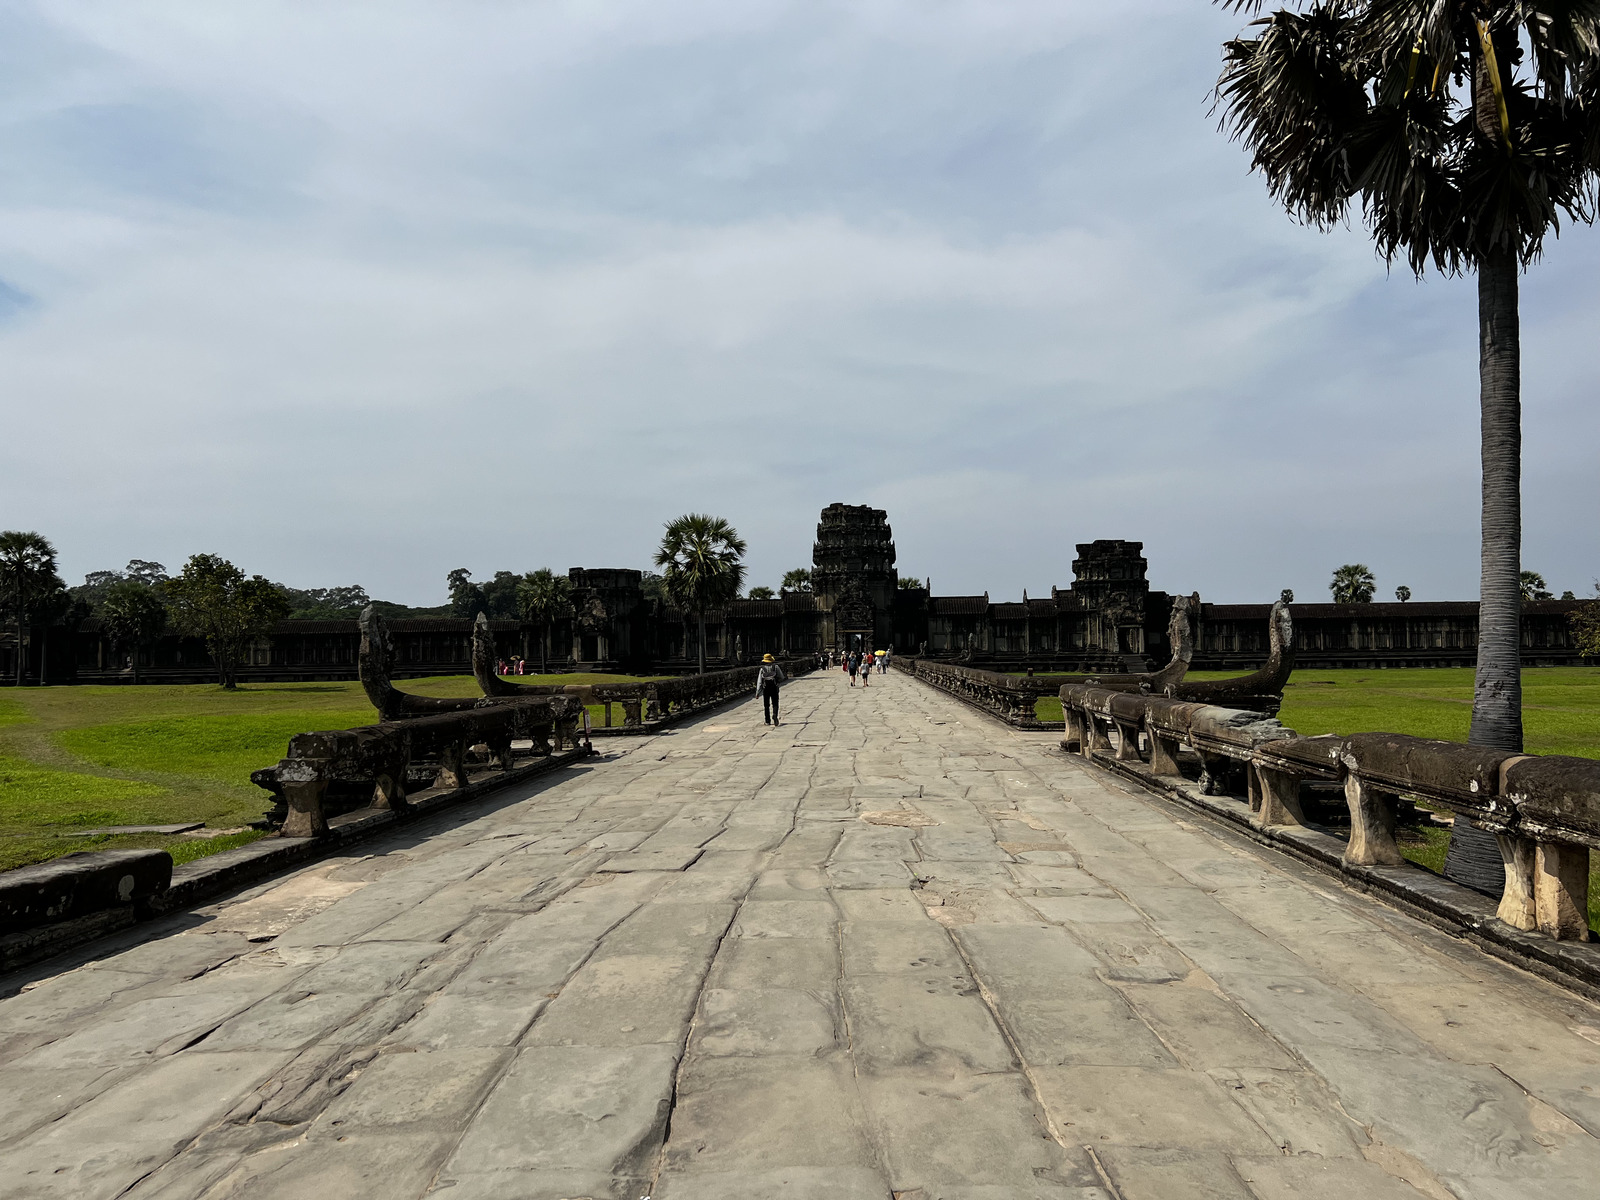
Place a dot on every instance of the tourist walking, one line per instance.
(866, 669)
(769, 676)
(851, 665)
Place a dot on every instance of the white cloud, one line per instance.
(368, 292)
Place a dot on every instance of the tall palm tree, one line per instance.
(1353, 583)
(27, 575)
(1464, 152)
(542, 596)
(701, 566)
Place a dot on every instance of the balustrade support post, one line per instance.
(1164, 755)
(1517, 907)
(1127, 743)
(1372, 818)
(1279, 792)
(389, 788)
(452, 766)
(1561, 890)
(304, 785)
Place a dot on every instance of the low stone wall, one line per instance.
(1011, 698)
(1543, 809)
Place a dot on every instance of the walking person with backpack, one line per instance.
(768, 679)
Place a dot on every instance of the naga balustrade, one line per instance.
(378, 759)
(1010, 697)
(643, 704)
(1543, 809)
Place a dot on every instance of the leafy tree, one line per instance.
(28, 584)
(92, 591)
(797, 580)
(653, 587)
(1464, 150)
(134, 616)
(1533, 586)
(213, 599)
(762, 593)
(1353, 583)
(542, 596)
(1402, 593)
(1287, 595)
(466, 598)
(500, 595)
(1569, 594)
(701, 557)
(909, 583)
(326, 604)
(1586, 626)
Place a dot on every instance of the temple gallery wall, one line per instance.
(1107, 618)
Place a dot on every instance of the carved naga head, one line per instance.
(1280, 628)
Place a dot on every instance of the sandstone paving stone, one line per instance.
(140, 1032)
(786, 919)
(622, 1000)
(763, 1114)
(287, 1022)
(102, 1148)
(935, 1129)
(765, 1021)
(1083, 909)
(592, 1110)
(899, 947)
(1202, 1027)
(1147, 1106)
(1147, 1173)
(802, 964)
(35, 1096)
(935, 1021)
(414, 1087)
(1312, 1178)
(359, 1163)
(791, 1183)
(1296, 1110)
(454, 1021)
(369, 968)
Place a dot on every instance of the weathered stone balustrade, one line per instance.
(1544, 809)
(381, 756)
(1012, 698)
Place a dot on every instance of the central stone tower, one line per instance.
(853, 576)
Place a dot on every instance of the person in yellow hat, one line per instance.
(768, 677)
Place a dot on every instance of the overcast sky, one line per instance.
(365, 292)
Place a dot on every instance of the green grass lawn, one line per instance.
(77, 758)
(1560, 715)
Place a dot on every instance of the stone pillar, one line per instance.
(1280, 796)
(304, 784)
(1164, 755)
(1214, 771)
(540, 736)
(631, 712)
(1517, 907)
(389, 788)
(1561, 890)
(1372, 841)
(1072, 737)
(1127, 743)
(500, 753)
(452, 766)
(1097, 739)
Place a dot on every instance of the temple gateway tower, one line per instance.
(853, 577)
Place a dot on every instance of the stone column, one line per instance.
(452, 766)
(1280, 796)
(1561, 890)
(1127, 743)
(304, 784)
(1372, 841)
(1517, 907)
(1164, 755)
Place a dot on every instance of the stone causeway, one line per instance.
(888, 950)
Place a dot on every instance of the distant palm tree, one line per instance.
(701, 561)
(1418, 109)
(1534, 586)
(542, 596)
(761, 593)
(1402, 593)
(797, 580)
(27, 575)
(1353, 584)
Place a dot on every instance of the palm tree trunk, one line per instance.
(702, 618)
(544, 648)
(1474, 857)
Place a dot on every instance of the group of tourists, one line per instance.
(860, 664)
(516, 665)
